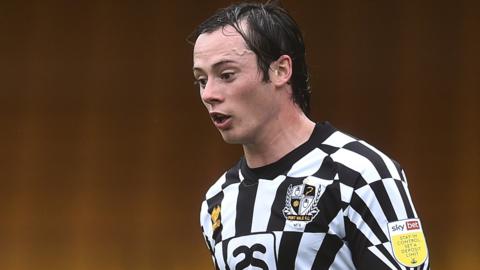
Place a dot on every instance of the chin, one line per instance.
(231, 138)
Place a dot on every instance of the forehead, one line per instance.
(222, 44)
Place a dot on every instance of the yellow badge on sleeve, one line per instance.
(215, 216)
(408, 242)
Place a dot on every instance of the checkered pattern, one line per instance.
(346, 193)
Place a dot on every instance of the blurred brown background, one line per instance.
(106, 150)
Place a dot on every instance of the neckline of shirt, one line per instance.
(280, 167)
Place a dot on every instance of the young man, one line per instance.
(305, 195)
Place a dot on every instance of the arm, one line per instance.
(382, 227)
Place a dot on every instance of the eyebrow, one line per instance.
(216, 65)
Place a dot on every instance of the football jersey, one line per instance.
(334, 202)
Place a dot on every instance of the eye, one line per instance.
(227, 76)
(201, 82)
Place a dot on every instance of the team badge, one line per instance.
(215, 216)
(301, 202)
(408, 242)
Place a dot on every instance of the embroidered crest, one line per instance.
(301, 202)
(215, 216)
(408, 242)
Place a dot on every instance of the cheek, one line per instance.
(249, 94)
(256, 102)
(248, 98)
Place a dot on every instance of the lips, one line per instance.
(221, 121)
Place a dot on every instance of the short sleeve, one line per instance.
(383, 230)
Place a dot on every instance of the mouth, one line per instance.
(220, 120)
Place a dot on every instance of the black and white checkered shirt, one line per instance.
(325, 205)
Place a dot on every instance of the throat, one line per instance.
(275, 147)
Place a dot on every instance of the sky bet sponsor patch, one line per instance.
(408, 242)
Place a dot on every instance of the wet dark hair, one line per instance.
(271, 32)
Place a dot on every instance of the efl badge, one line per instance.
(301, 202)
(408, 243)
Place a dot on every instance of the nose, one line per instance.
(211, 94)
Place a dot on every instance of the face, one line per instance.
(239, 103)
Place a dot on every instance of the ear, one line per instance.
(281, 70)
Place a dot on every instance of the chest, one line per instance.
(283, 204)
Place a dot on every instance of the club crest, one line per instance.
(301, 202)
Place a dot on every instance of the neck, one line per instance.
(280, 137)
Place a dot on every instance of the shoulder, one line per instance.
(356, 157)
(231, 176)
(214, 194)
